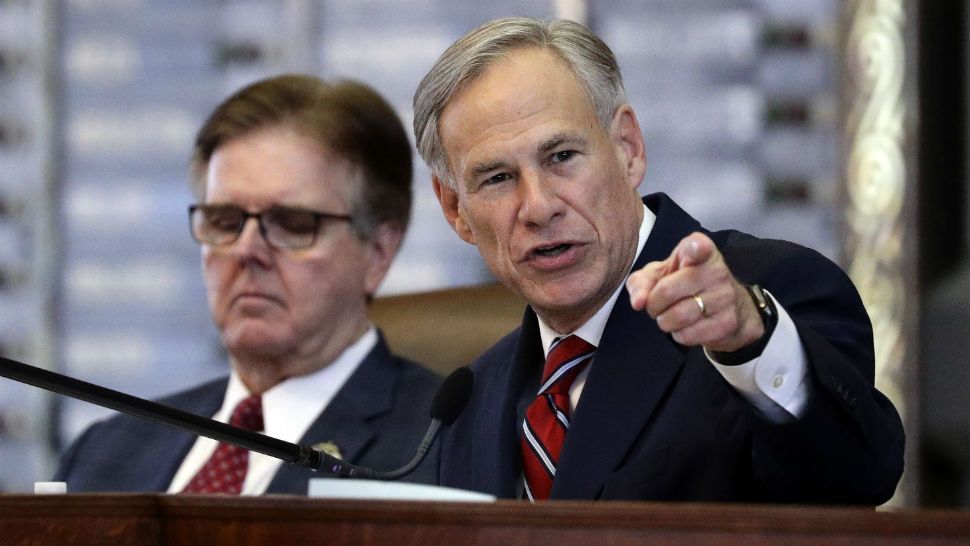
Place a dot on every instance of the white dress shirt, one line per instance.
(289, 409)
(775, 382)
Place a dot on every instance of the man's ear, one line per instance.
(449, 201)
(383, 246)
(628, 141)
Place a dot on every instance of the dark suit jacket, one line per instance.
(657, 421)
(377, 419)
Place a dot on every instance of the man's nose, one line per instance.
(251, 242)
(540, 201)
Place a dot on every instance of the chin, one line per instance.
(559, 301)
(256, 343)
(565, 291)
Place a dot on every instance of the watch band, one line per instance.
(769, 318)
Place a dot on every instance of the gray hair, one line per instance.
(589, 58)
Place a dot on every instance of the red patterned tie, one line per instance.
(547, 419)
(225, 471)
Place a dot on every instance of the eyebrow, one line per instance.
(544, 147)
(559, 139)
(487, 167)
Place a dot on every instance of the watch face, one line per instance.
(760, 299)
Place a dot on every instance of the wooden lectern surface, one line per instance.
(176, 520)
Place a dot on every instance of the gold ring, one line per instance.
(700, 304)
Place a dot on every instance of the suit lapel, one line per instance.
(634, 366)
(497, 461)
(204, 401)
(176, 443)
(345, 421)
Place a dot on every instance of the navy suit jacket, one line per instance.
(656, 421)
(377, 419)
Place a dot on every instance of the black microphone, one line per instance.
(448, 403)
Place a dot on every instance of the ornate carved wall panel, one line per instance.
(880, 195)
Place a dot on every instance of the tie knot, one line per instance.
(249, 414)
(564, 362)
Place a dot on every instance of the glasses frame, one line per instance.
(318, 218)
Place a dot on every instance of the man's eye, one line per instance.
(498, 178)
(294, 221)
(223, 220)
(564, 155)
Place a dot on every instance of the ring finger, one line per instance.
(684, 313)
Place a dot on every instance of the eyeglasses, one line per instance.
(281, 227)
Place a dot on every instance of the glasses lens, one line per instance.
(290, 228)
(217, 224)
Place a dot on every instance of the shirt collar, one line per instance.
(290, 407)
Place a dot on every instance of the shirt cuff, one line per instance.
(774, 382)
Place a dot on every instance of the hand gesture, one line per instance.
(694, 297)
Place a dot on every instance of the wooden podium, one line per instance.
(175, 520)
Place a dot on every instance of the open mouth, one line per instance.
(551, 251)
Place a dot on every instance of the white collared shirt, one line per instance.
(289, 409)
(775, 382)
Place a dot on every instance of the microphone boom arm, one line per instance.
(203, 426)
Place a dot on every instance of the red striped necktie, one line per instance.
(225, 471)
(547, 419)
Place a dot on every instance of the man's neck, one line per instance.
(261, 372)
(593, 321)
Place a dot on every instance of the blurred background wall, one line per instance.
(751, 109)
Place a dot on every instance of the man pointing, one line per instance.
(657, 360)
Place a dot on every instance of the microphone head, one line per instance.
(452, 396)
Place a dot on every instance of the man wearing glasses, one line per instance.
(303, 195)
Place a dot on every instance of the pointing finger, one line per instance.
(640, 283)
(693, 250)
